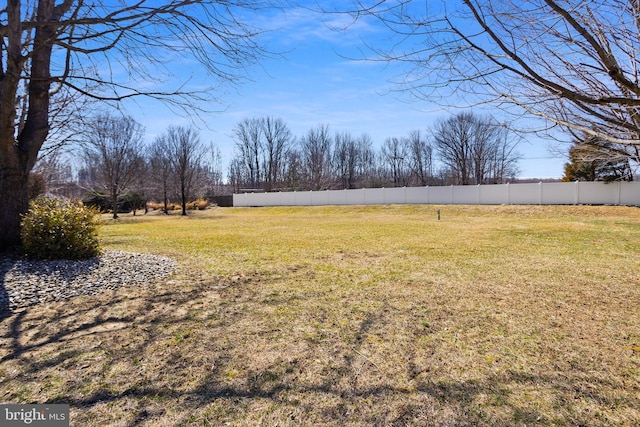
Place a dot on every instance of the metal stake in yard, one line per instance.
(438, 214)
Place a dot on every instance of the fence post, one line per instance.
(540, 193)
(619, 192)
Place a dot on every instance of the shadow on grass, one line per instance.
(6, 263)
(90, 338)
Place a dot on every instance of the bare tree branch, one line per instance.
(573, 62)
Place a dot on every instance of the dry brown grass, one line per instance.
(199, 204)
(351, 316)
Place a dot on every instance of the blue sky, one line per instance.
(320, 80)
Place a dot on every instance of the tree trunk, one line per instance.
(114, 203)
(184, 201)
(15, 202)
(166, 201)
(18, 155)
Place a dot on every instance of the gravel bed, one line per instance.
(25, 283)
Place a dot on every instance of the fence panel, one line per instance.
(494, 194)
(272, 199)
(441, 195)
(338, 197)
(394, 195)
(524, 194)
(287, 198)
(466, 194)
(590, 193)
(373, 196)
(417, 195)
(303, 198)
(320, 198)
(558, 193)
(630, 193)
(357, 197)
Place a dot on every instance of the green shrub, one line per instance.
(59, 229)
(101, 202)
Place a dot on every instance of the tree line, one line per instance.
(462, 149)
(117, 167)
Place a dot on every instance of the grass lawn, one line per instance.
(378, 315)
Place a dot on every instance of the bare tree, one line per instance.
(248, 141)
(395, 158)
(316, 148)
(573, 63)
(474, 149)
(504, 157)
(114, 149)
(57, 171)
(420, 158)
(293, 170)
(366, 167)
(214, 179)
(186, 154)
(354, 161)
(345, 159)
(107, 51)
(160, 168)
(261, 145)
(236, 175)
(277, 141)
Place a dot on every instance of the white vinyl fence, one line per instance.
(542, 193)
